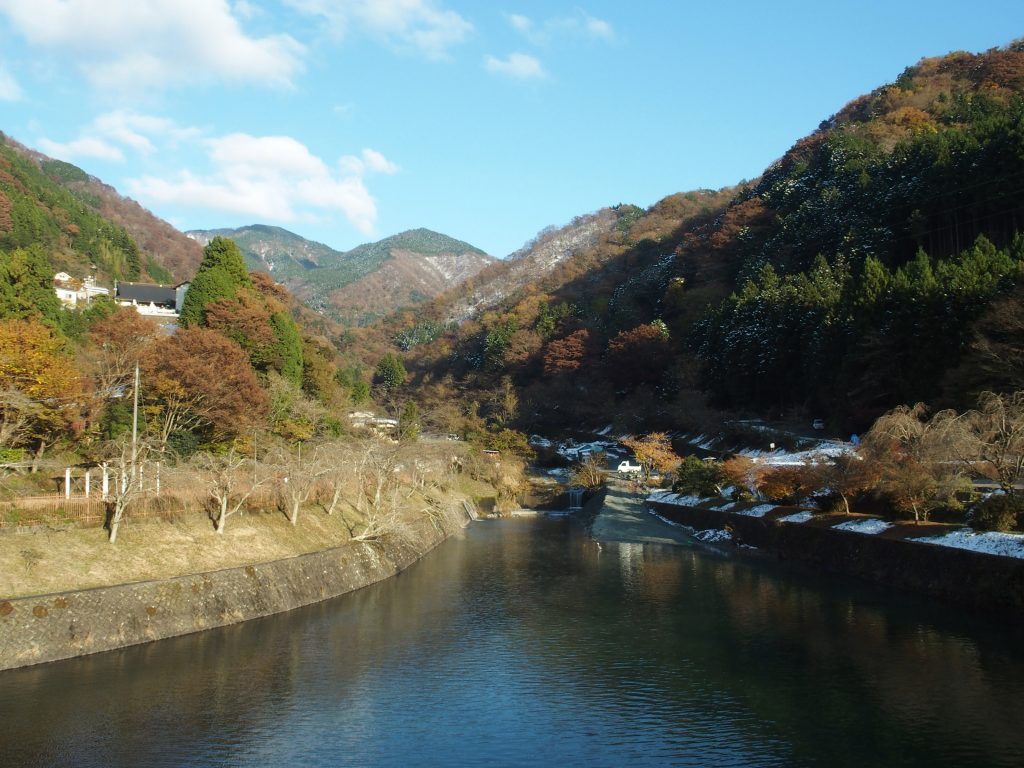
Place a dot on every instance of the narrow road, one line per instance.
(623, 518)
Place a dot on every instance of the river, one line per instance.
(524, 642)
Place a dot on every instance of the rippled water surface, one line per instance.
(524, 643)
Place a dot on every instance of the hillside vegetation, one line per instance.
(80, 221)
(878, 262)
(36, 211)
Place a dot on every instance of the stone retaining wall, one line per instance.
(973, 579)
(47, 628)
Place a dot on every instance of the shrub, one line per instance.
(697, 477)
(999, 512)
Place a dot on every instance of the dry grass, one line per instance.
(177, 537)
(44, 561)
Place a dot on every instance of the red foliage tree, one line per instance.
(568, 354)
(200, 379)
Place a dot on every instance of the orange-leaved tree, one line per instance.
(40, 387)
(654, 452)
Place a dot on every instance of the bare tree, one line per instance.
(127, 462)
(337, 461)
(912, 457)
(229, 481)
(990, 439)
(590, 473)
(300, 471)
(378, 493)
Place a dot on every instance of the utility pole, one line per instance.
(135, 421)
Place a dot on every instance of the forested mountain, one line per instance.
(80, 221)
(865, 257)
(873, 265)
(366, 282)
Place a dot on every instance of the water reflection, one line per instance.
(525, 643)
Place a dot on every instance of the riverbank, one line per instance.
(623, 517)
(864, 548)
(868, 549)
(182, 597)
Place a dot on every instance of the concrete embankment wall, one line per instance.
(47, 628)
(975, 579)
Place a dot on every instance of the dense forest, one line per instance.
(39, 210)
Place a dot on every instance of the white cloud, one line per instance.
(86, 146)
(246, 10)
(371, 160)
(520, 23)
(109, 134)
(127, 45)
(9, 88)
(580, 24)
(137, 131)
(418, 25)
(271, 178)
(598, 27)
(519, 65)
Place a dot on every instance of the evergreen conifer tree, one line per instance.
(220, 275)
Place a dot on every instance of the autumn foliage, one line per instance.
(40, 386)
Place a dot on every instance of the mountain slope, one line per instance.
(854, 275)
(365, 282)
(69, 198)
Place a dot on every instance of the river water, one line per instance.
(524, 642)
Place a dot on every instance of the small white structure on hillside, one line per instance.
(73, 292)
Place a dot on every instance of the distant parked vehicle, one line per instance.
(625, 468)
(818, 424)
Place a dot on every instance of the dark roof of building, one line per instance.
(145, 293)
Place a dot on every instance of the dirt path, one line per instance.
(624, 518)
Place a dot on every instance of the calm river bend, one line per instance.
(522, 642)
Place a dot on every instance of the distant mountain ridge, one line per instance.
(366, 282)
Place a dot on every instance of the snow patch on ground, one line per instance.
(798, 517)
(667, 497)
(990, 542)
(725, 507)
(574, 451)
(869, 525)
(822, 451)
(712, 535)
(759, 511)
(709, 535)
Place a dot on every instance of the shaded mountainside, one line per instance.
(865, 257)
(361, 284)
(873, 265)
(79, 220)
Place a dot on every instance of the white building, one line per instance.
(73, 292)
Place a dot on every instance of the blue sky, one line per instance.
(350, 120)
